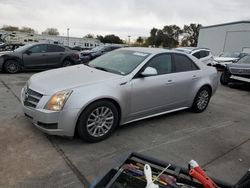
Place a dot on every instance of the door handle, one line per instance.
(61, 54)
(169, 82)
(194, 77)
(44, 55)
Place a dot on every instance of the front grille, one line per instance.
(240, 71)
(31, 98)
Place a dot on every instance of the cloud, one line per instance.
(127, 17)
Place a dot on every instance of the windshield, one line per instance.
(244, 60)
(120, 62)
(228, 54)
(23, 48)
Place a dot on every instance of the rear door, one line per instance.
(35, 57)
(185, 78)
(153, 94)
(55, 55)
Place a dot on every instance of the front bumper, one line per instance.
(60, 123)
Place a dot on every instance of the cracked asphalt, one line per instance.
(219, 139)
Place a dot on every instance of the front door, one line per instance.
(153, 94)
(35, 57)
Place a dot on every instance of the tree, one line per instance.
(110, 39)
(9, 28)
(139, 40)
(51, 31)
(152, 39)
(190, 35)
(27, 30)
(171, 36)
(90, 36)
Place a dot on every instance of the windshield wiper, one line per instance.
(108, 70)
(101, 68)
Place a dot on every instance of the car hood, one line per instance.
(5, 52)
(225, 59)
(50, 82)
(238, 65)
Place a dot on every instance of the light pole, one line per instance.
(68, 35)
(129, 39)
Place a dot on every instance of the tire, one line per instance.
(201, 100)
(11, 66)
(224, 78)
(66, 63)
(97, 121)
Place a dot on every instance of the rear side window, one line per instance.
(183, 63)
(204, 53)
(54, 48)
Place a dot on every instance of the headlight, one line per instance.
(58, 100)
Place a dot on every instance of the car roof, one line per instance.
(190, 49)
(148, 50)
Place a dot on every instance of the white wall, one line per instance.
(225, 38)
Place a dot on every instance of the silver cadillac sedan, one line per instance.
(117, 88)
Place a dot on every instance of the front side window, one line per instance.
(162, 63)
(39, 48)
(183, 63)
(119, 62)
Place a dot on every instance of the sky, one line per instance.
(119, 17)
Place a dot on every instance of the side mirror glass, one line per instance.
(149, 71)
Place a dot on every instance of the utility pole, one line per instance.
(129, 39)
(68, 35)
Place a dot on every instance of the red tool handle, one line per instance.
(206, 181)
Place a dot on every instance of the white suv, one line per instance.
(203, 54)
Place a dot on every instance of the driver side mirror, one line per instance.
(28, 52)
(149, 71)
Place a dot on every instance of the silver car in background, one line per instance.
(119, 87)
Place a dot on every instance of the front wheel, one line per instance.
(201, 100)
(11, 66)
(97, 121)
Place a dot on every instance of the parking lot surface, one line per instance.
(219, 139)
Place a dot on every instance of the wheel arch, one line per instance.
(67, 58)
(112, 100)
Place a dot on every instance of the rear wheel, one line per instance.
(224, 78)
(97, 121)
(11, 66)
(66, 63)
(202, 99)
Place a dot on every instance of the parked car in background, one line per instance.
(87, 55)
(203, 54)
(237, 72)
(37, 56)
(226, 58)
(122, 86)
(9, 47)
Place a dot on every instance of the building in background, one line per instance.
(228, 37)
(26, 38)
